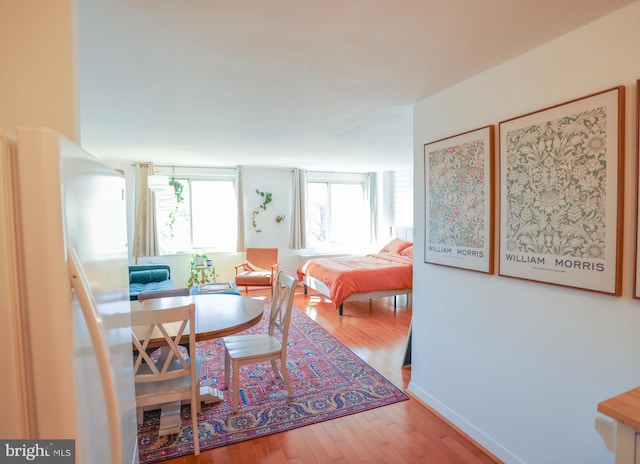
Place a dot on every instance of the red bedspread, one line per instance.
(347, 275)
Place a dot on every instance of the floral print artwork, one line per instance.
(556, 186)
(457, 195)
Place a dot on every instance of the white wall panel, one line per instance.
(520, 366)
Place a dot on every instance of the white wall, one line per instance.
(520, 366)
(278, 181)
(36, 89)
(274, 234)
(37, 81)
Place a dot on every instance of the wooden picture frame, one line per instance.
(636, 282)
(561, 193)
(459, 200)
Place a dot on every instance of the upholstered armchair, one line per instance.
(259, 270)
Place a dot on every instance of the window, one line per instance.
(206, 218)
(338, 210)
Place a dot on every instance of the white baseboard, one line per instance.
(461, 423)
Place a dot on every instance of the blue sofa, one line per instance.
(148, 277)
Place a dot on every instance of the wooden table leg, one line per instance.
(210, 395)
(169, 418)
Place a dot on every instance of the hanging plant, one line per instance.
(177, 190)
(253, 220)
(266, 199)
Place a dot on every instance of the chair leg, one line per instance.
(236, 386)
(285, 373)
(227, 368)
(199, 401)
(274, 366)
(140, 415)
(194, 425)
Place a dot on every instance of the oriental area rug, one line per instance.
(328, 381)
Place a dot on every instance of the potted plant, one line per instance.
(202, 270)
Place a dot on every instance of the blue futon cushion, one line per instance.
(148, 276)
(135, 289)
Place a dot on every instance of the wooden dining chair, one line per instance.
(259, 270)
(250, 349)
(163, 293)
(172, 374)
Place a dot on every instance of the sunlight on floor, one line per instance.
(311, 312)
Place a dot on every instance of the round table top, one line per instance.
(217, 314)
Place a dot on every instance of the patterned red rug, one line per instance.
(328, 381)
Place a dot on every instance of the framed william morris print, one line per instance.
(561, 189)
(636, 286)
(459, 200)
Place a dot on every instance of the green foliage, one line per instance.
(177, 189)
(266, 199)
(200, 275)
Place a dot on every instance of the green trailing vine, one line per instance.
(177, 190)
(266, 199)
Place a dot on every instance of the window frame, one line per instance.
(354, 178)
(195, 173)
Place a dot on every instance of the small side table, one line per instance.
(625, 409)
(202, 269)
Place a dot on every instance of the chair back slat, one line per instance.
(172, 361)
(282, 305)
(171, 372)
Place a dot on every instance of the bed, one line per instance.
(345, 278)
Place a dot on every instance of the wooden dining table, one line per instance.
(216, 315)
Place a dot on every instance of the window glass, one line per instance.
(348, 218)
(206, 218)
(173, 220)
(213, 211)
(338, 211)
(317, 213)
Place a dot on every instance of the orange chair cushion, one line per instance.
(254, 278)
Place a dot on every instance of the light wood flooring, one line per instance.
(405, 432)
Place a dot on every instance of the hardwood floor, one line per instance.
(405, 432)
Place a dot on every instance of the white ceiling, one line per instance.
(318, 84)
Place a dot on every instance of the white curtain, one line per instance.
(373, 205)
(145, 242)
(240, 244)
(298, 236)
